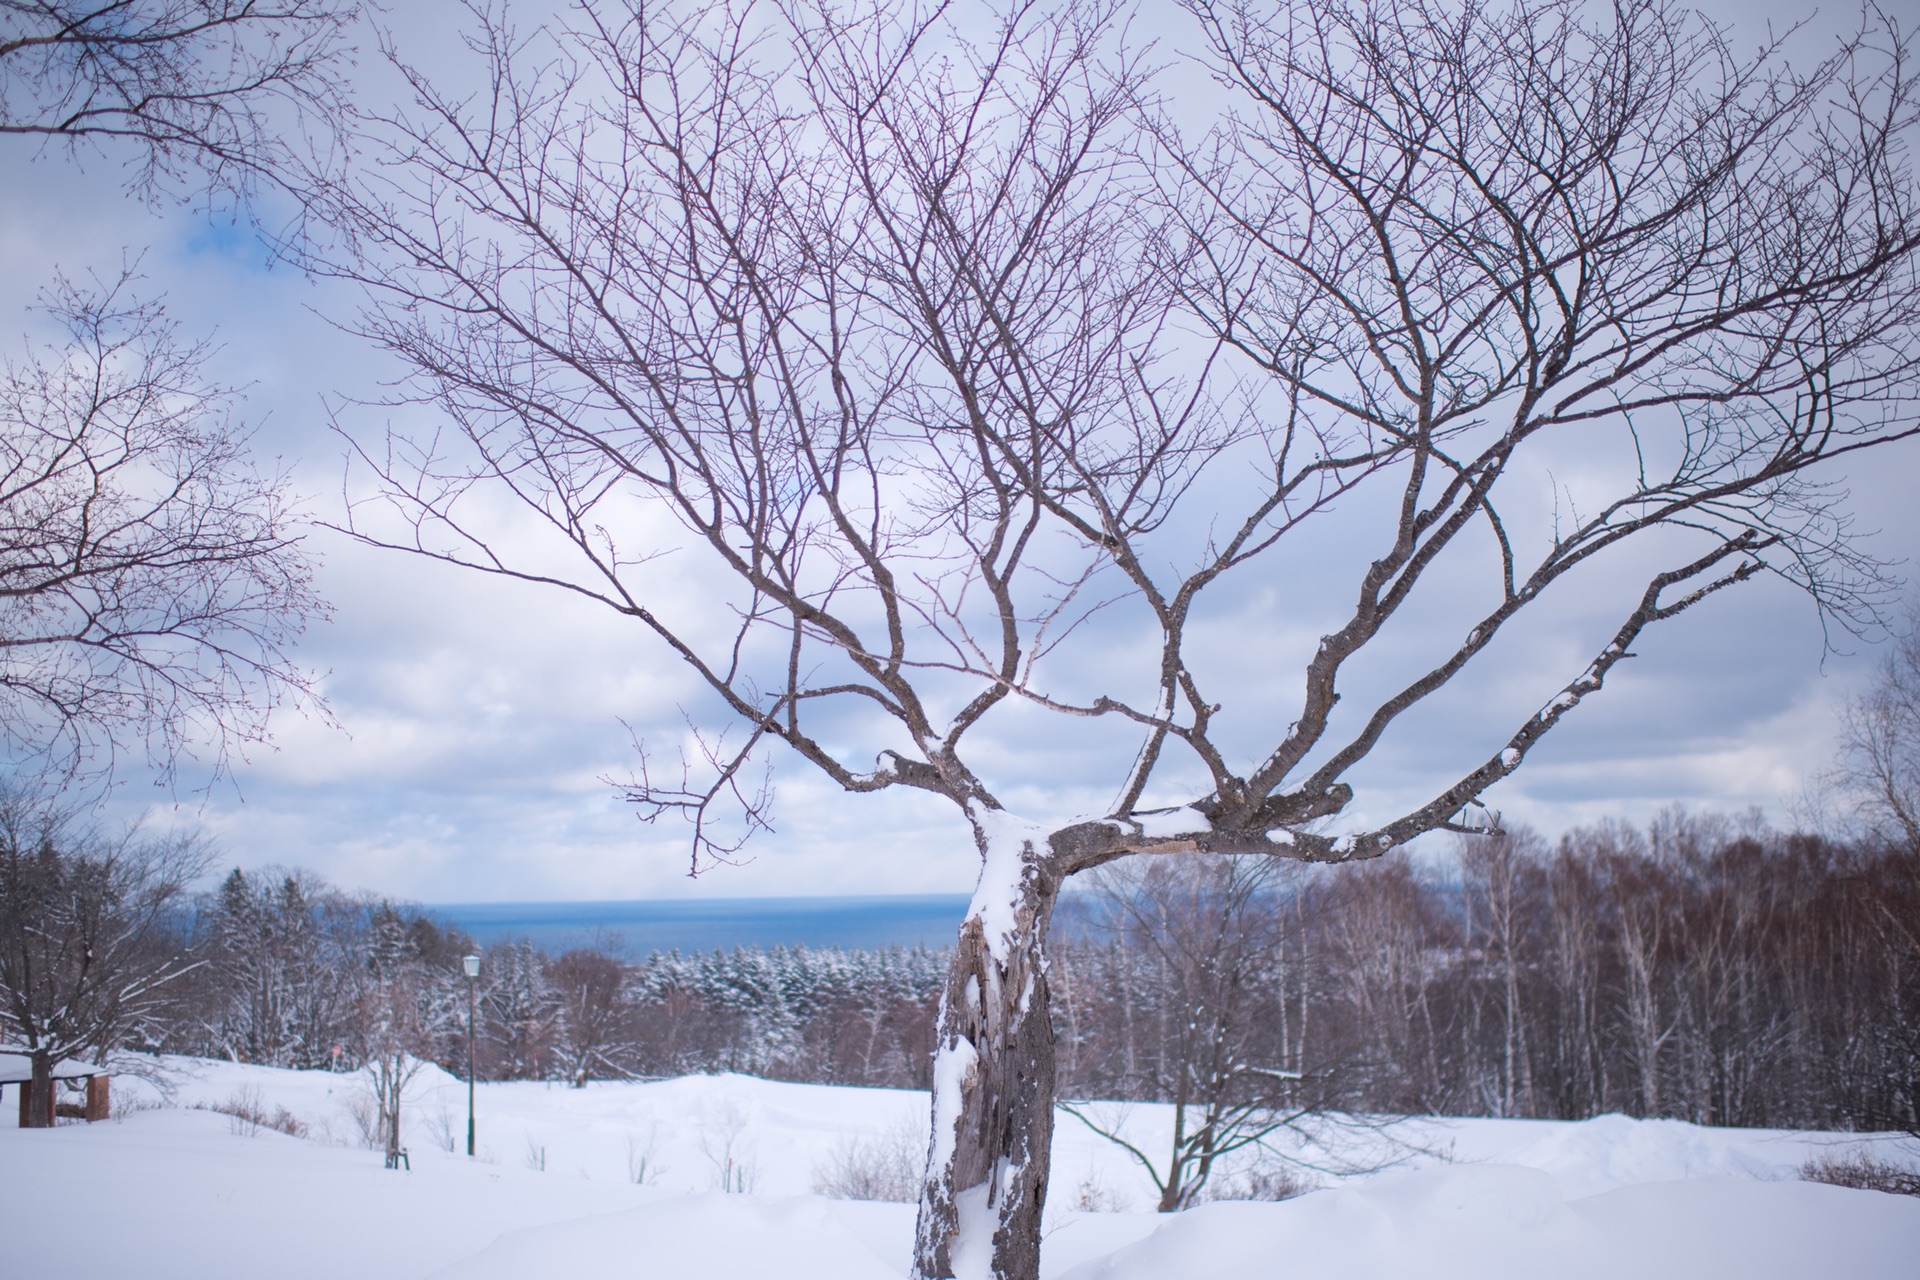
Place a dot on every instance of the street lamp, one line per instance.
(472, 966)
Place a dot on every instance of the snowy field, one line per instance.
(629, 1180)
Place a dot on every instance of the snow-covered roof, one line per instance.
(16, 1067)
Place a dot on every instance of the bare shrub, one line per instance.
(284, 1121)
(365, 1111)
(440, 1127)
(124, 1106)
(248, 1114)
(1264, 1182)
(642, 1165)
(242, 1108)
(722, 1140)
(1863, 1172)
(884, 1166)
(1094, 1196)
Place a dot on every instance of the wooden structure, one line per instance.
(17, 1069)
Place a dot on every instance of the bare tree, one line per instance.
(152, 580)
(210, 91)
(1497, 871)
(87, 942)
(895, 325)
(1216, 930)
(405, 1003)
(1383, 931)
(1574, 962)
(1880, 744)
(1879, 765)
(594, 1033)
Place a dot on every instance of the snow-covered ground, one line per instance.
(630, 1180)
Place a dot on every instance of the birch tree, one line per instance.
(973, 384)
(1496, 872)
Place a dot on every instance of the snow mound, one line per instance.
(1612, 1151)
(1503, 1222)
(630, 1179)
(712, 1236)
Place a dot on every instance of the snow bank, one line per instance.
(1614, 1151)
(1504, 1222)
(168, 1194)
(710, 1236)
(174, 1191)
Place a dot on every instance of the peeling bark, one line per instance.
(993, 1088)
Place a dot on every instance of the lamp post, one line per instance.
(472, 966)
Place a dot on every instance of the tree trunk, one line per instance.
(393, 1137)
(1172, 1193)
(993, 1077)
(37, 1105)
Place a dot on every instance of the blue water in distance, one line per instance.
(635, 928)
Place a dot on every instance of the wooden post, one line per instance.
(97, 1103)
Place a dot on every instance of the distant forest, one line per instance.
(1705, 969)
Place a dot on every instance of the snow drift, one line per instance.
(623, 1179)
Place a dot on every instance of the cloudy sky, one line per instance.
(478, 721)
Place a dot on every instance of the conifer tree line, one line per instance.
(288, 971)
(1705, 968)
